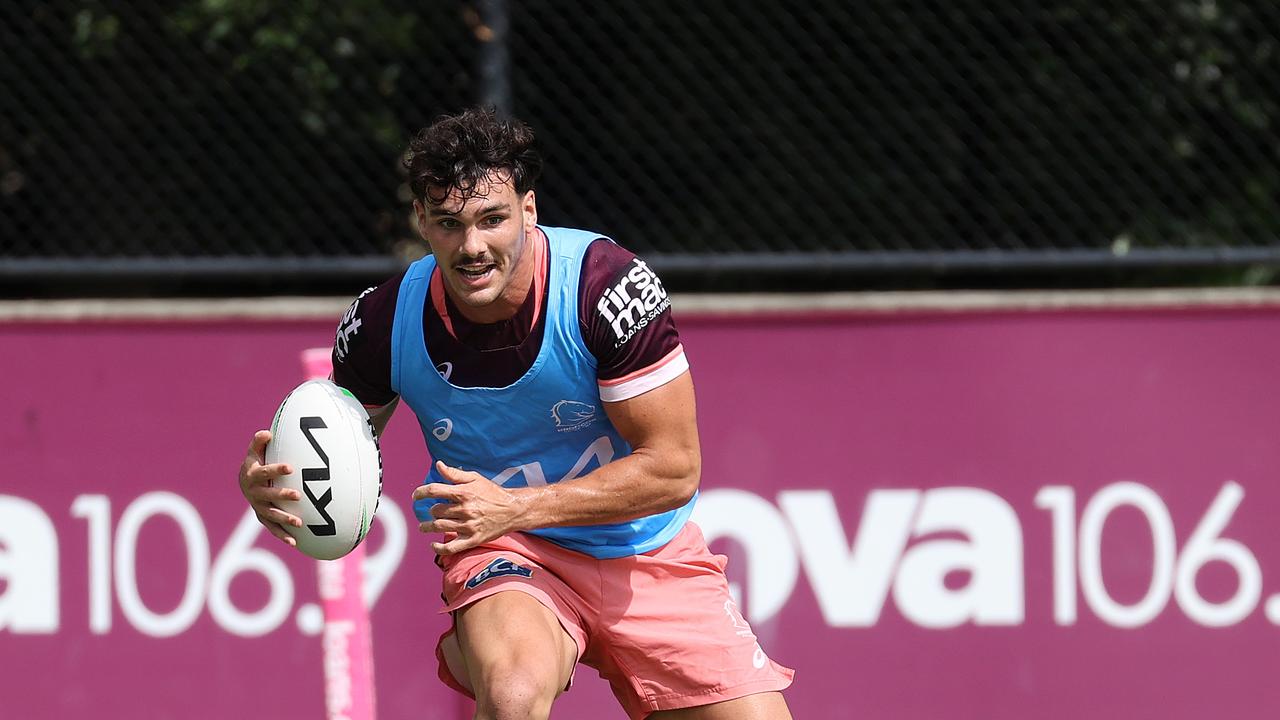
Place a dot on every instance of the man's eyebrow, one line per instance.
(496, 207)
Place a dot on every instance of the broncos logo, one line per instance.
(571, 414)
(498, 568)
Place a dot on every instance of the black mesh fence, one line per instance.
(220, 138)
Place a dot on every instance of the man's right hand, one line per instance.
(257, 480)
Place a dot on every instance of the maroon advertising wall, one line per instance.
(999, 514)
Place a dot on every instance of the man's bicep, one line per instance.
(662, 428)
(662, 420)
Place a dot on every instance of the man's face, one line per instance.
(481, 247)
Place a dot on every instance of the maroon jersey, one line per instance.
(632, 357)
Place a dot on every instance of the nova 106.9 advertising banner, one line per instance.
(987, 514)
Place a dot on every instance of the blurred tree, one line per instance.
(232, 127)
(339, 57)
(335, 58)
(897, 125)
(1120, 124)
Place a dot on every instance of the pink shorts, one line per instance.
(660, 627)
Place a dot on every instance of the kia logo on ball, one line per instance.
(317, 475)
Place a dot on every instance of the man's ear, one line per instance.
(530, 209)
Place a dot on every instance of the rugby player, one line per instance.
(555, 398)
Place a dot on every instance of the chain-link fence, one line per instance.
(233, 137)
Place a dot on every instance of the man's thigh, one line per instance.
(509, 610)
(507, 634)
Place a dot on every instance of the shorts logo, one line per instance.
(572, 415)
(740, 626)
(498, 568)
(742, 629)
(445, 369)
(442, 429)
(633, 302)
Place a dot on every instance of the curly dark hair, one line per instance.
(458, 152)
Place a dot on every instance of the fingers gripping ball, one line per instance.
(325, 436)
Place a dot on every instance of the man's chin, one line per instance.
(475, 297)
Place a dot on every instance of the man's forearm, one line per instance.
(640, 484)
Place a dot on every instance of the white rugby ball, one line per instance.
(324, 434)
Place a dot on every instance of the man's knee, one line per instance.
(505, 692)
(517, 655)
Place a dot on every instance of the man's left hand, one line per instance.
(476, 510)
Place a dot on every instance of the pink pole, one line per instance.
(347, 639)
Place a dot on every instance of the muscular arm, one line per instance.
(660, 474)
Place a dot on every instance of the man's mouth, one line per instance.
(475, 273)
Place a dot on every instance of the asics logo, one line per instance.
(445, 369)
(742, 629)
(442, 429)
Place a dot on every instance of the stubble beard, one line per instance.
(500, 280)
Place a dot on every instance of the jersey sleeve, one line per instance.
(625, 315)
(362, 345)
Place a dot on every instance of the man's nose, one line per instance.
(472, 242)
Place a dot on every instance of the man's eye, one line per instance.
(494, 220)
(448, 223)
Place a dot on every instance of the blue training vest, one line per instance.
(546, 427)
